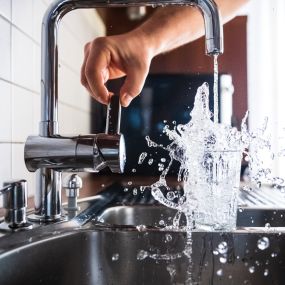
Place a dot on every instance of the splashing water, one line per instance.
(209, 156)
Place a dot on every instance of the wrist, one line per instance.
(148, 42)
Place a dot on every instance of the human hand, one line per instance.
(113, 57)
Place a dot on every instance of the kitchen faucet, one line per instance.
(49, 153)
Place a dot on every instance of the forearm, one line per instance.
(171, 27)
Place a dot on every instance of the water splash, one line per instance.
(208, 154)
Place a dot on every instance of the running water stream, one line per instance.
(216, 86)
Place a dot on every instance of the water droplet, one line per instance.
(220, 272)
(142, 188)
(130, 182)
(150, 161)
(267, 226)
(223, 247)
(161, 223)
(163, 159)
(266, 272)
(142, 157)
(263, 243)
(223, 259)
(135, 191)
(102, 185)
(160, 167)
(168, 237)
(134, 170)
(273, 254)
(215, 252)
(142, 254)
(170, 195)
(126, 189)
(251, 269)
(115, 257)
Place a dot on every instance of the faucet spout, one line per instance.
(214, 43)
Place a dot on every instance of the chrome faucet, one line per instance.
(49, 153)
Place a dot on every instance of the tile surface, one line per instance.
(5, 48)
(5, 111)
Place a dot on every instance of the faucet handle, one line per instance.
(111, 145)
(113, 119)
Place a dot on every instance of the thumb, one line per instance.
(133, 85)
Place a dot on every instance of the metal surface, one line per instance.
(15, 203)
(113, 119)
(63, 153)
(72, 184)
(119, 239)
(92, 256)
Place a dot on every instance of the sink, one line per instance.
(107, 244)
(101, 256)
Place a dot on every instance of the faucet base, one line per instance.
(43, 219)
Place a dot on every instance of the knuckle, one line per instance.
(99, 42)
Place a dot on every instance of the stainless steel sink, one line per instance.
(119, 239)
(101, 256)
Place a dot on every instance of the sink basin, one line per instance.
(121, 240)
(92, 255)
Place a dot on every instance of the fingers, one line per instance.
(103, 60)
(133, 84)
(94, 73)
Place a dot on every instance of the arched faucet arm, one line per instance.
(49, 91)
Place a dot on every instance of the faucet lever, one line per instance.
(113, 119)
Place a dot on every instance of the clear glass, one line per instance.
(212, 191)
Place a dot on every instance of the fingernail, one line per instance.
(126, 100)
